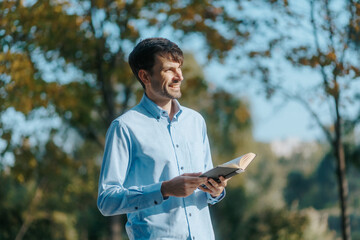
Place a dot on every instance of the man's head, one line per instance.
(144, 55)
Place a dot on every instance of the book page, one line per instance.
(246, 160)
(231, 168)
(240, 162)
(235, 163)
(230, 165)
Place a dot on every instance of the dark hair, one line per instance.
(143, 55)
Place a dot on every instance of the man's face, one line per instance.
(165, 80)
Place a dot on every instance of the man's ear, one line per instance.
(144, 76)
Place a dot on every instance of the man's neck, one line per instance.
(167, 104)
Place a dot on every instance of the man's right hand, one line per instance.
(183, 185)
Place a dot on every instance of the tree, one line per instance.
(240, 215)
(68, 61)
(316, 190)
(318, 38)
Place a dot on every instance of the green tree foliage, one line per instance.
(318, 190)
(276, 224)
(69, 59)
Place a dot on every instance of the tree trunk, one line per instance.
(115, 227)
(341, 175)
(343, 190)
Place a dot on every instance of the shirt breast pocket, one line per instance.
(196, 156)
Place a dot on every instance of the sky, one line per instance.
(273, 119)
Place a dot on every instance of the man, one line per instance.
(155, 153)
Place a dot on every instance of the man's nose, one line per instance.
(179, 75)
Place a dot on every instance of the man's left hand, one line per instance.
(213, 187)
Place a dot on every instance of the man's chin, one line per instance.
(177, 95)
(174, 94)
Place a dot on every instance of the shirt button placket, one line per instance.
(190, 218)
(177, 148)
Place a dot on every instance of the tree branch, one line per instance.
(317, 44)
(307, 106)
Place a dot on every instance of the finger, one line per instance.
(195, 180)
(223, 181)
(204, 189)
(192, 174)
(216, 187)
(210, 186)
(214, 183)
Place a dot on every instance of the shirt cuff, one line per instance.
(153, 195)
(212, 200)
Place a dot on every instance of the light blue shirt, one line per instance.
(144, 148)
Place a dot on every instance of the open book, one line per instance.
(231, 168)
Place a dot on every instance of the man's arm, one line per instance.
(113, 197)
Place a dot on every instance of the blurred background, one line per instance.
(276, 77)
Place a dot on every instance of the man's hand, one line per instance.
(183, 185)
(214, 188)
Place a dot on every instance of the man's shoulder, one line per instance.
(189, 112)
(130, 116)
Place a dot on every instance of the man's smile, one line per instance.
(175, 86)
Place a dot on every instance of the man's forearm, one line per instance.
(115, 200)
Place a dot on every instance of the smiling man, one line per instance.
(155, 153)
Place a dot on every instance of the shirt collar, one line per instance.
(178, 109)
(157, 111)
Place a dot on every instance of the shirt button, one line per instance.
(189, 214)
(155, 202)
(136, 208)
(182, 168)
(193, 237)
(158, 117)
(177, 145)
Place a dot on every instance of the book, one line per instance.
(230, 168)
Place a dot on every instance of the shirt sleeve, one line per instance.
(113, 197)
(211, 200)
(209, 165)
